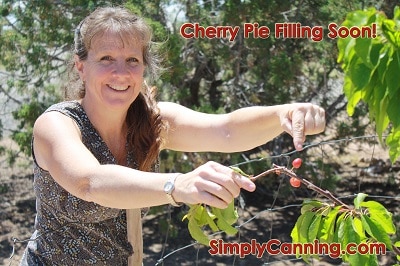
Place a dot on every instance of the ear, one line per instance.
(79, 66)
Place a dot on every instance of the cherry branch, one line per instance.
(326, 193)
(281, 169)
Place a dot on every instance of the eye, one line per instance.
(106, 58)
(132, 60)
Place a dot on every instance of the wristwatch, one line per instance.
(169, 187)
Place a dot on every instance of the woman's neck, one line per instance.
(111, 124)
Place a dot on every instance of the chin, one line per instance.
(119, 104)
(121, 101)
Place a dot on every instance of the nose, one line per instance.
(121, 69)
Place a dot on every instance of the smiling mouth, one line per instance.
(118, 88)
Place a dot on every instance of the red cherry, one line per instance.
(297, 163)
(295, 182)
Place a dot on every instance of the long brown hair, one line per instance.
(143, 117)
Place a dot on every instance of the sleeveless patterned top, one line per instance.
(69, 230)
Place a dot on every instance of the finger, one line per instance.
(243, 182)
(321, 122)
(239, 182)
(217, 190)
(212, 200)
(298, 121)
(314, 121)
(216, 179)
(310, 121)
(230, 180)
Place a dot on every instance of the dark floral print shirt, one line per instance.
(69, 230)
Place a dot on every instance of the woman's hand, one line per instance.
(212, 183)
(301, 119)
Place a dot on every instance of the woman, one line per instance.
(94, 156)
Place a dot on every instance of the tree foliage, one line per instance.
(372, 67)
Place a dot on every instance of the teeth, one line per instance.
(118, 88)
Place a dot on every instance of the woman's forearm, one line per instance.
(252, 126)
(125, 188)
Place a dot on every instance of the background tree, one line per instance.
(36, 37)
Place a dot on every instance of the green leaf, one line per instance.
(368, 91)
(371, 260)
(384, 56)
(295, 234)
(222, 224)
(397, 244)
(196, 233)
(391, 33)
(359, 259)
(304, 227)
(393, 110)
(309, 205)
(350, 236)
(396, 15)
(338, 233)
(392, 77)
(200, 214)
(375, 54)
(299, 232)
(343, 231)
(346, 51)
(347, 236)
(393, 141)
(328, 225)
(230, 214)
(358, 227)
(379, 214)
(363, 49)
(359, 199)
(359, 73)
(358, 18)
(382, 120)
(353, 97)
(325, 210)
(189, 214)
(313, 230)
(239, 171)
(376, 231)
(210, 221)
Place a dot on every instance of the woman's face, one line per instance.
(113, 71)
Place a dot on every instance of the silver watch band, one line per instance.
(170, 198)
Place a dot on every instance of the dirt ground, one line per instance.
(264, 217)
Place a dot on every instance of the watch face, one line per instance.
(168, 187)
